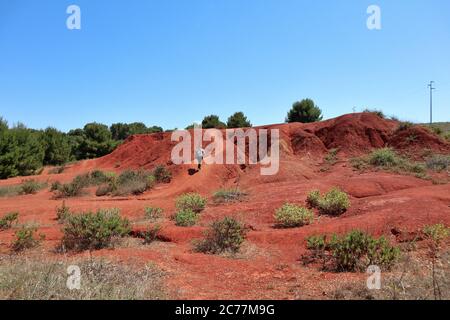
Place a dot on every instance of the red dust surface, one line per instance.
(268, 265)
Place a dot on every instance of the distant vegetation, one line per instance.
(304, 111)
(25, 151)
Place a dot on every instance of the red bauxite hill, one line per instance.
(395, 205)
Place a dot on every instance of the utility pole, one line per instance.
(431, 101)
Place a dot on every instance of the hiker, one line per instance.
(199, 155)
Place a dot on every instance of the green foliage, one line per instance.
(191, 201)
(436, 232)
(186, 218)
(57, 147)
(151, 234)
(438, 163)
(313, 199)
(213, 121)
(121, 131)
(388, 159)
(129, 182)
(25, 239)
(93, 231)
(304, 111)
(8, 220)
(292, 216)
(238, 120)
(229, 195)
(63, 213)
(9, 191)
(378, 113)
(334, 202)
(153, 213)
(226, 235)
(331, 157)
(162, 174)
(354, 251)
(30, 186)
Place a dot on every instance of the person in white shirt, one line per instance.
(199, 155)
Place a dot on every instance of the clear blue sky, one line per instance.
(170, 62)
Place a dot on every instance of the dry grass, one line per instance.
(37, 279)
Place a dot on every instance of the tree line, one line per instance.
(24, 151)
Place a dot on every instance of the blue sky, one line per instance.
(171, 62)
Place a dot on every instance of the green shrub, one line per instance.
(226, 235)
(305, 111)
(447, 136)
(93, 231)
(25, 239)
(438, 162)
(151, 234)
(133, 183)
(404, 125)
(437, 232)
(313, 199)
(104, 190)
(335, 202)
(358, 250)
(291, 216)
(55, 186)
(9, 191)
(385, 157)
(162, 175)
(378, 113)
(152, 213)
(354, 251)
(30, 186)
(186, 218)
(72, 189)
(331, 157)
(229, 195)
(191, 201)
(8, 220)
(63, 213)
(57, 170)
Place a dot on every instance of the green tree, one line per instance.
(9, 154)
(119, 131)
(57, 147)
(31, 150)
(238, 120)
(213, 121)
(304, 111)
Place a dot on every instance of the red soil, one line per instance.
(268, 267)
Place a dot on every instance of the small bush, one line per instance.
(229, 195)
(438, 163)
(151, 234)
(57, 170)
(25, 239)
(62, 213)
(104, 190)
(191, 201)
(69, 190)
(186, 218)
(331, 157)
(335, 202)
(152, 213)
(291, 216)
(133, 183)
(226, 235)
(93, 231)
(55, 186)
(30, 186)
(9, 191)
(378, 113)
(313, 199)
(354, 251)
(404, 125)
(8, 220)
(437, 232)
(385, 157)
(162, 175)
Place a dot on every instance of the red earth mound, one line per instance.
(268, 266)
